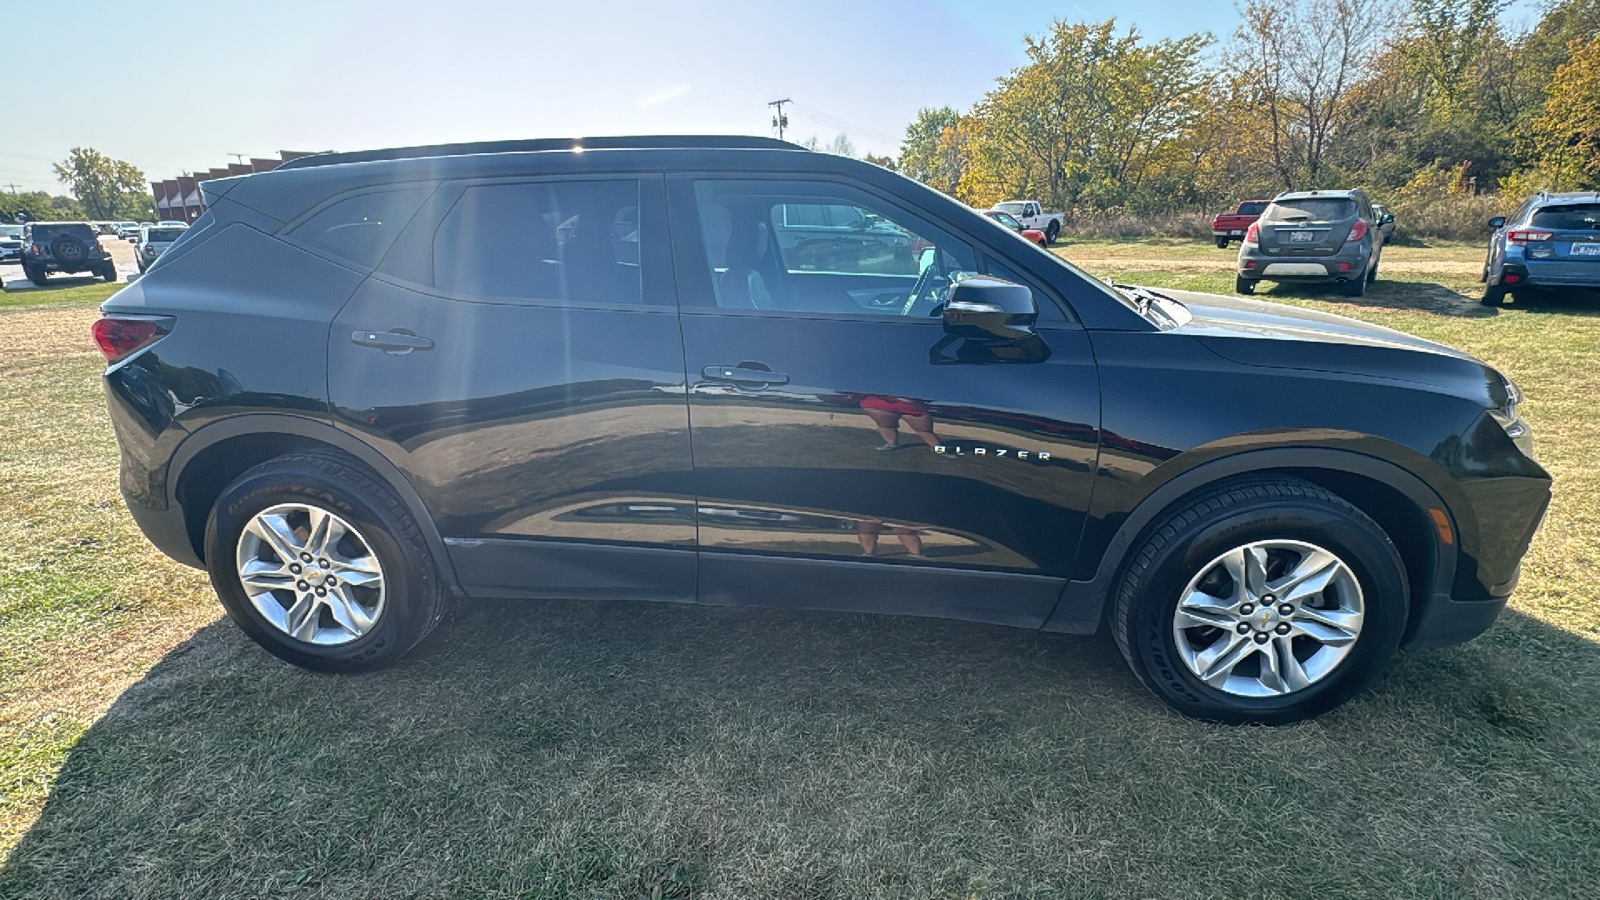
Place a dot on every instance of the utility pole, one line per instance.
(779, 120)
(239, 157)
(12, 188)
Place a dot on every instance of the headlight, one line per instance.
(1511, 421)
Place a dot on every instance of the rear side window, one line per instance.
(360, 229)
(1571, 217)
(1311, 209)
(558, 242)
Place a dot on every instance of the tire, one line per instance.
(1337, 636)
(37, 275)
(1051, 232)
(109, 272)
(1222, 243)
(1355, 287)
(1494, 295)
(355, 622)
(1242, 285)
(1372, 273)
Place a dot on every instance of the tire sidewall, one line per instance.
(397, 625)
(1369, 554)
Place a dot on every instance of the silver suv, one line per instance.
(153, 241)
(1314, 237)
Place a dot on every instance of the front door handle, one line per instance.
(743, 374)
(397, 342)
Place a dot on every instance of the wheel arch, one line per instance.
(1398, 500)
(211, 458)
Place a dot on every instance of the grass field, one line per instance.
(569, 749)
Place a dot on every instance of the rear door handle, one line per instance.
(396, 342)
(742, 375)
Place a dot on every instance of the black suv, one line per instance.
(63, 247)
(365, 384)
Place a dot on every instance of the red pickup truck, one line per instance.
(1232, 226)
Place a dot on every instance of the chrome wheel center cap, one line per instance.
(1264, 619)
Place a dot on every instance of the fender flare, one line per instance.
(322, 432)
(1082, 603)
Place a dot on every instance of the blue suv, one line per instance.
(1551, 241)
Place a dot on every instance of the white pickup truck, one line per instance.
(1032, 215)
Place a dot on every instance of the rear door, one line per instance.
(848, 453)
(517, 356)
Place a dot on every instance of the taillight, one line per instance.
(1526, 235)
(1357, 231)
(1253, 234)
(119, 336)
(149, 250)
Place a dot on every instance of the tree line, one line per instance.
(103, 189)
(1408, 98)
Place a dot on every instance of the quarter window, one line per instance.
(559, 242)
(360, 229)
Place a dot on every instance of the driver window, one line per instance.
(814, 248)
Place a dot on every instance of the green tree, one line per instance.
(931, 150)
(1567, 130)
(38, 206)
(108, 188)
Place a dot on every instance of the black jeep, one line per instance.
(63, 247)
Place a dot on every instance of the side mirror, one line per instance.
(990, 309)
(1497, 222)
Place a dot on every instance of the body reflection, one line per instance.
(887, 413)
(867, 531)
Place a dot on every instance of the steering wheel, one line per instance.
(927, 288)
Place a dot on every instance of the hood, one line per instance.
(1275, 335)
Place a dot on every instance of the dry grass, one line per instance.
(567, 749)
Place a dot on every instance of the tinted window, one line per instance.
(867, 260)
(44, 234)
(163, 235)
(1571, 217)
(1311, 209)
(360, 229)
(565, 242)
(1251, 209)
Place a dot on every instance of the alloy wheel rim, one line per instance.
(1268, 618)
(310, 574)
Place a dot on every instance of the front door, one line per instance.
(848, 453)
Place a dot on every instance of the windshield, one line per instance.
(1006, 220)
(1014, 207)
(1573, 217)
(1310, 209)
(10, 231)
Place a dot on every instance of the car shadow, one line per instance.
(1389, 294)
(631, 749)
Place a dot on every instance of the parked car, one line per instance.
(10, 243)
(1385, 221)
(1228, 227)
(1032, 215)
(1010, 223)
(1551, 243)
(153, 241)
(65, 247)
(1313, 237)
(376, 383)
(127, 230)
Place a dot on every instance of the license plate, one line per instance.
(1301, 237)
(1236, 231)
(1586, 249)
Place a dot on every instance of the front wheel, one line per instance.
(320, 564)
(1266, 601)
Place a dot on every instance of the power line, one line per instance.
(779, 120)
(836, 122)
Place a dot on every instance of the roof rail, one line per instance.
(648, 142)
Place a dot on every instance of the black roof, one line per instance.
(645, 142)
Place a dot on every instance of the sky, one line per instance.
(194, 82)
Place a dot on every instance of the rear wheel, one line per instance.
(36, 274)
(1267, 601)
(109, 271)
(1051, 232)
(1494, 295)
(1222, 243)
(1242, 285)
(1372, 274)
(1355, 287)
(321, 564)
